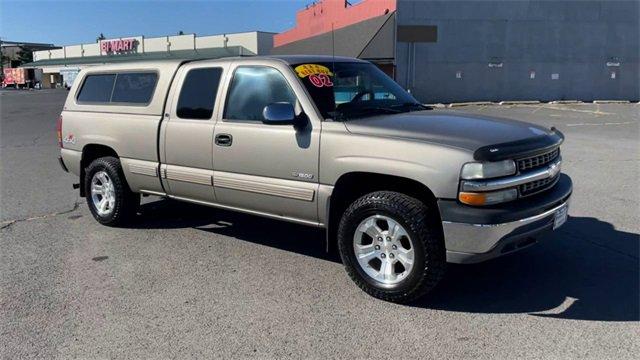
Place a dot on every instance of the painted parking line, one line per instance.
(603, 124)
(559, 107)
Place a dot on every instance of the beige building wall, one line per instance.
(213, 41)
(156, 44)
(73, 51)
(41, 55)
(91, 49)
(56, 54)
(182, 42)
(257, 43)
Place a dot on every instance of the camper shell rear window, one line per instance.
(118, 88)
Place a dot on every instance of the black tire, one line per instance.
(424, 230)
(126, 201)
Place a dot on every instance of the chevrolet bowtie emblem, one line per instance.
(554, 169)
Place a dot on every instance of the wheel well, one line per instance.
(89, 153)
(351, 186)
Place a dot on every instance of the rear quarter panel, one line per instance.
(130, 130)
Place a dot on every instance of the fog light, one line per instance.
(487, 198)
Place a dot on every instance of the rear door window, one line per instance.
(97, 88)
(135, 88)
(198, 93)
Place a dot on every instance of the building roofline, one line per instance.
(208, 53)
(160, 36)
(26, 43)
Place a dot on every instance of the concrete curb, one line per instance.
(519, 102)
(438, 105)
(528, 102)
(471, 103)
(611, 101)
(565, 102)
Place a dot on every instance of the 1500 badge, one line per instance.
(302, 175)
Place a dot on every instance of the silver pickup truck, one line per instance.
(328, 142)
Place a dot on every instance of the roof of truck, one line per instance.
(289, 59)
(297, 59)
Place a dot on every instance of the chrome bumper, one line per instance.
(472, 243)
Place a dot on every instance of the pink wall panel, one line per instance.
(318, 19)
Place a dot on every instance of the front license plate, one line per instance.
(560, 217)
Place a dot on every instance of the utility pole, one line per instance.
(1, 59)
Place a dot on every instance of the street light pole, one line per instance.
(1, 59)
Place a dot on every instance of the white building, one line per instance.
(61, 65)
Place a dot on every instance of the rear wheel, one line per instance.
(391, 246)
(109, 198)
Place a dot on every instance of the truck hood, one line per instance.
(475, 133)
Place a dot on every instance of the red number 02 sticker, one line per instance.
(320, 80)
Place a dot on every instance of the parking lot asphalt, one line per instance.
(191, 281)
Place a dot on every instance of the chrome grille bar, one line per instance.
(496, 184)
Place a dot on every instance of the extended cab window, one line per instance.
(97, 88)
(123, 88)
(198, 93)
(253, 88)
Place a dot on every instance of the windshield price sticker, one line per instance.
(320, 80)
(319, 76)
(305, 70)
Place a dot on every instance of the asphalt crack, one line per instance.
(9, 223)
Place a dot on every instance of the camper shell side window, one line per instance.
(131, 88)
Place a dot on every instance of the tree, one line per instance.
(24, 55)
(4, 58)
(100, 37)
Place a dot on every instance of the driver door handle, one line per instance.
(224, 140)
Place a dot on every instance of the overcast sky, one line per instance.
(74, 22)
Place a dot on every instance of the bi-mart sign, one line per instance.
(118, 46)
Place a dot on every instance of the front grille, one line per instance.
(537, 186)
(538, 160)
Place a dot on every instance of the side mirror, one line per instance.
(281, 113)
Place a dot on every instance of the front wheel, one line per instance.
(109, 198)
(391, 246)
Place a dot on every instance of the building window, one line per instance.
(198, 93)
(253, 88)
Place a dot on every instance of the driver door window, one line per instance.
(253, 88)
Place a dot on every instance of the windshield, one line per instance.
(344, 91)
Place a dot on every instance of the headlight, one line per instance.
(488, 170)
(487, 198)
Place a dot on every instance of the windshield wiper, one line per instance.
(411, 104)
(365, 111)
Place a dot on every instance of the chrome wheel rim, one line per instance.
(384, 249)
(103, 194)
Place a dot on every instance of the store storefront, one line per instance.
(60, 66)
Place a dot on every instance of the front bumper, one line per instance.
(475, 234)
